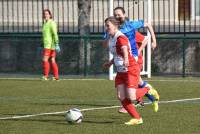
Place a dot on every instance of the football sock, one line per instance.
(55, 69)
(140, 92)
(46, 68)
(130, 108)
(150, 97)
(142, 85)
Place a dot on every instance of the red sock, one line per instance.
(130, 108)
(55, 69)
(46, 68)
(140, 92)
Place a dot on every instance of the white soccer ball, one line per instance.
(74, 116)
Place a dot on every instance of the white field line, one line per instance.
(38, 79)
(88, 109)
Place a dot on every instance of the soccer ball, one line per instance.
(74, 116)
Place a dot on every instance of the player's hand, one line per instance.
(40, 50)
(153, 45)
(126, 63)
(57, 48)
(139, 51)
(107, 65)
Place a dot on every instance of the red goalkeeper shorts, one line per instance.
(49, 52)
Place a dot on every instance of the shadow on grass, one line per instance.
(76, 104)
(63, 122)
(51, 119)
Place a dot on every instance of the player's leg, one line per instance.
(46, 66)
(121, 96)
(153, 92)
(126, 102)
(133, 94)
(54, 65)
(139, 102)
(120, 92)
(152, 95)
(132, 79)
(143, 84)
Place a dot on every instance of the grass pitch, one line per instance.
(26, 97)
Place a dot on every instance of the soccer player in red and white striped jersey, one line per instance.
(128, 71)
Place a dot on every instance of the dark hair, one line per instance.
(113, 20)
(120, 8)
(47, 10)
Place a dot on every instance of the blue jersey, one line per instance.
(128, 28)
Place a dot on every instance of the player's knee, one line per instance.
(45, 58)
(131, 98)
(131, 94)
(121, 98)
(53, 60)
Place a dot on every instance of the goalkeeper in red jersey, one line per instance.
(50, 44)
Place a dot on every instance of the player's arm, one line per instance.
(144, 43)
(140, 24)
(105, 43)
(105, 40)
(141, 41)
(123, 42)
(55, 36)
(150, 28)
(54, 32)
(125, 53)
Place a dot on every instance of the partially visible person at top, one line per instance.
(127, 78)
(50, 44)
(129, 27)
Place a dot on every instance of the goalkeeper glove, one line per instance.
(57, 48)
(39, 50)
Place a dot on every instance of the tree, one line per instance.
(84, 7)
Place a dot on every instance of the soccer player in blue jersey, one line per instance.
(128, 27)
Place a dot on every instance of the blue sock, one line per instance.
(150, 97)
(143, 85)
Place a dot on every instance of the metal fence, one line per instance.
(168, 16)
(20, 54)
